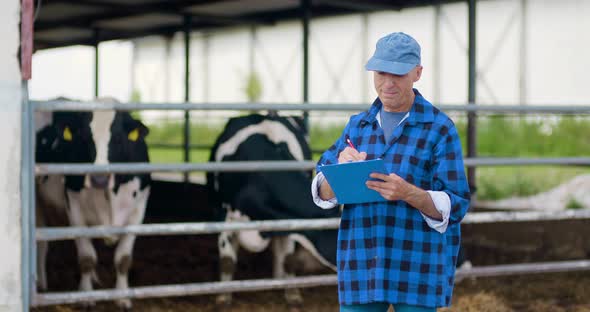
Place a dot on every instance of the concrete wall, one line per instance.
(10, 155)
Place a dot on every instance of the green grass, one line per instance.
(501, 182)
(573, 204)
(166, 155)
(497, 136)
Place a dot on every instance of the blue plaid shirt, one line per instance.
(386, 251)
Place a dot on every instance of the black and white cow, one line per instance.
(98, 137)
(269, 195)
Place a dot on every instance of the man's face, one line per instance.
(395, 91)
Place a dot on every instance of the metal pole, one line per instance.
(306, 16)
(471, 116)
(272, 165)
(205, 72)
(167, 53)
(364, 56)
(437, 54)
(27, 201)
(187, 45)
(252, 46)
(285, 225)
(162, 291)
(523, 52)
(96, 63)
(59, 105)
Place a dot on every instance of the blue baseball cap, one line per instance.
(397, 53)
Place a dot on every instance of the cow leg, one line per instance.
(123, 264)
(228, 256)
(283, 248)
(42, 248)
(124, 251)
(87, 264)
(86, 252)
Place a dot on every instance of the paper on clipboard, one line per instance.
(348, 180)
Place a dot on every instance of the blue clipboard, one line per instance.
(348, 180)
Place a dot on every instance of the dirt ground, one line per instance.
(192, 259)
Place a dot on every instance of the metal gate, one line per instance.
(31, 234)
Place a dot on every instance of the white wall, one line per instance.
(10, 137)
(69, 72)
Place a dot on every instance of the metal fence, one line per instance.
(52, 234)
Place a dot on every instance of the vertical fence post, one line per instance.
(28, 201)
(523, 53)
(96, 62)
(27, 224)
(305, 18)
(471, 116)
(187, 86)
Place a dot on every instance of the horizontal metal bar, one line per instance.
(229, 166)
(527, 268)
(66, 233)
(513, 161)
(46, 299)
(287, 165)
(90, 106)
(523, 216)
(203, 146)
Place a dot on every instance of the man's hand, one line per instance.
(393, 187)
(347, 155)
(350, 154)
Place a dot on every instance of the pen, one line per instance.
(350, 143)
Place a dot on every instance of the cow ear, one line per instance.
(139, 131)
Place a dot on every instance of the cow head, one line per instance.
(99, 137)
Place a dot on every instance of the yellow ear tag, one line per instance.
(67, 134)
(133, 135)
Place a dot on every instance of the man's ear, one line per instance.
(418, 73)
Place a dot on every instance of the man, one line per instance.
(401, 251)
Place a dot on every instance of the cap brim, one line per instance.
(395, 68)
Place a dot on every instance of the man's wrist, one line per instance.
(421, 200)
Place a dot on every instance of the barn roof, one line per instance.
(71, 22)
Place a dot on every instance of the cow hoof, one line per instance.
(223, 300)
(124, 304)
(293, 297)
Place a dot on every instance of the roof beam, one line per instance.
(117, 11)
(361, 5)
(106, 35)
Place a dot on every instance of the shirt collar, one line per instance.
(420, 112)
